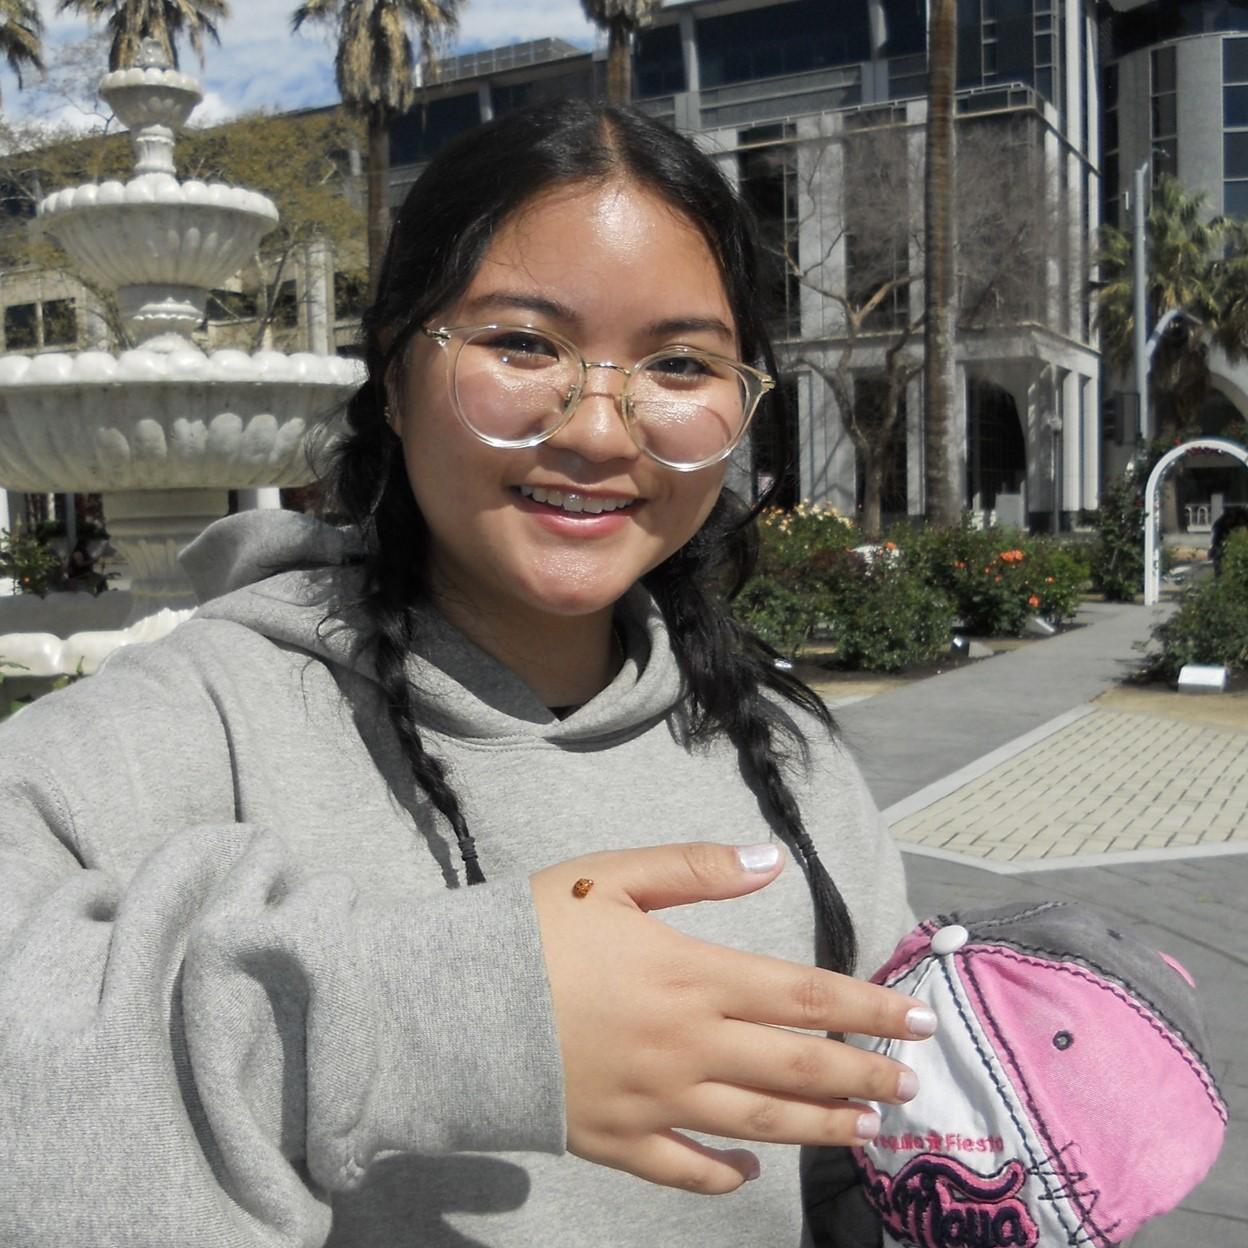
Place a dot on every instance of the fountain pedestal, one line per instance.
(149, 528)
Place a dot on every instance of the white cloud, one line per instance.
(261, 64)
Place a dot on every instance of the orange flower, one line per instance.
(890, 545)
(1033, 601)
(1048, 580)
(959, 564)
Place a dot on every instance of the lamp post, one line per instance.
(1143, 359)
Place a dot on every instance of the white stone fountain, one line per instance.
(163, 430)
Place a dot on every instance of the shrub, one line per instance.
(1234, 570)
(997, 579)
(877, 613)
(33, 566)
(884, 618)
(798, 570)
(1118, 560)
(1210, 627)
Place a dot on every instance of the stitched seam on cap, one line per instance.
(1070, 1189)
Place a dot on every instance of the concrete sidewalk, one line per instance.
(995, 774)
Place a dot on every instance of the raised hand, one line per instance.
(661, 1032)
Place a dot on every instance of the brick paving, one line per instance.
(1109, 782)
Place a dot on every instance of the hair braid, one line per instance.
(726, 669)
(392, 644)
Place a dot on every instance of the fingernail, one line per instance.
(758, 857)
(753, 1168)
(868, 1126)
(907, 1085)
(921, 1021)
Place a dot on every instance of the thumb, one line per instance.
(677, 875)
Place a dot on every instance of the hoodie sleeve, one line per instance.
(204, 1047)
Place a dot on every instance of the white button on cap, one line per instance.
(950, 939)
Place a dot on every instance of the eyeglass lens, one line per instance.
(513, 386)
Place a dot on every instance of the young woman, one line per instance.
(245, 997)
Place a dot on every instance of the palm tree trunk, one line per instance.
(378, 193)
(619, 63)
(940, 368)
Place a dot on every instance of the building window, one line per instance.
(1165, 128)
(232, 305)
(285, 305)
(30, 326)
(780, 39)
(767, 167)
(416, 135)
(60, 323)
(1235, 127)
(870, 410)
(905, 28)
(658, 62)
(350, 295)
(21, 326)
(774, 440)
(1111, 206)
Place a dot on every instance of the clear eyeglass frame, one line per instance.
(754, 382)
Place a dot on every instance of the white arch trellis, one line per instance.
(1152, 513)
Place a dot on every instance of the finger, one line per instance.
(674, 1160)
(808, 1068)
(743, 1114)
(676, 875)
(767, 990)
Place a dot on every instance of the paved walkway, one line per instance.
(1096, 782)
(1022, 778)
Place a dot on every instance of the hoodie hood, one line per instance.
(293, 579)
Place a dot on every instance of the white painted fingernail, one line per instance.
(921, 1021)
(868, 1126)
(758, 857)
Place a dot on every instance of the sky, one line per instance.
(260, 64)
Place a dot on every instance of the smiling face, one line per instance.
(566, 527)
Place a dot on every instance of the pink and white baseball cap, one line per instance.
(1066, 1098)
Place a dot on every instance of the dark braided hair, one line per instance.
(438, 240)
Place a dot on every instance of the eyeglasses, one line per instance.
(514, 386)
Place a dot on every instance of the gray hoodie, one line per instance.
(243, 999)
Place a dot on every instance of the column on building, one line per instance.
(1072, 415)
(1090, 494)
(820, 215)
(318, 287)
(689, 51)
(1042, 417)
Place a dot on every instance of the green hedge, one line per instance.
(1210, 625)
(896, 605)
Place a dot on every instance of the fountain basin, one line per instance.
(156, 231)
(151, 96)
(96, 422)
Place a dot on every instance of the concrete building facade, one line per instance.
(1175, 101)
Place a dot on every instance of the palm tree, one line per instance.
(941, 458)
(1188, 268)
(21, 36)
(132, 21)
(375, 69)
(619, 18)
